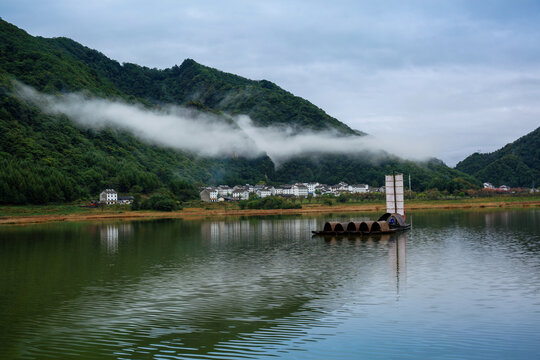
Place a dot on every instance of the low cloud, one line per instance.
(210, 135)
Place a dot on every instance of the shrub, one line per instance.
(328, 202)
(271, 202)
(160, 202)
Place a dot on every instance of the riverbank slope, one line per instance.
(44, 214)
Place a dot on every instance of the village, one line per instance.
(243, 192)
(314, 189)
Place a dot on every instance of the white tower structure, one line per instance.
(394, 194)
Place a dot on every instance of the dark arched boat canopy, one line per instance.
(387, 223)
(335, 227)
(394, 219)
(365, 226)
(353, 226)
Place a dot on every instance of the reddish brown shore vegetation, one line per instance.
(188, 213)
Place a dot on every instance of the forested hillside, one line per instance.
(197, 85)
(48, 158)
(516, 164)
(331, 169)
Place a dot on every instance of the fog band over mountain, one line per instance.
(210, 135)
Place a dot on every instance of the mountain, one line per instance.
(516, 164)
(197, 85)
(48, 158)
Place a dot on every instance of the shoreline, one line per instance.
(197, 213)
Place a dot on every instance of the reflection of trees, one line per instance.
(203, 285)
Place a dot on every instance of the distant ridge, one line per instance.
(516, 164)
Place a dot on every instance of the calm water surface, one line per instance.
(459, 285)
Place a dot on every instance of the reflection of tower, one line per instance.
(397, 257)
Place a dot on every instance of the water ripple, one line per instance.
(460, 285)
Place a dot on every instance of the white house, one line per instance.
(210, 194)
(300, 190)
(342, 186)
(125, 200)
(488, 186)
(311, 187)
(287, 190)
(264, 192)
(239, 187)
(504, 188)
(360, 188)
(321, 190)
(108, 196)
(240, 194)
(224, 190)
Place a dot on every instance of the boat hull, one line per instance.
(387, 224)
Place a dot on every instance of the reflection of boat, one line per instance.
(387, 223)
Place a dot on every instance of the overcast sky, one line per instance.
(455, 76)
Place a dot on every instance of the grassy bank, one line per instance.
(59, 209)
(51, 213)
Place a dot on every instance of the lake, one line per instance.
(458, 285)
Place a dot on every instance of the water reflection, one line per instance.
(263, 287)
(110, 233)
(396, 245)
(397, 259)
(264, 229)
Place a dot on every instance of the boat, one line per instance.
(390, 222)
(387, 223)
